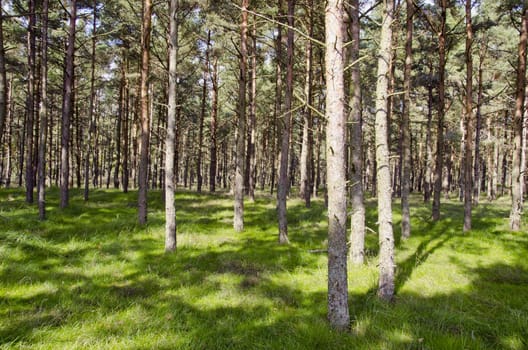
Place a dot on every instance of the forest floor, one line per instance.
(90, 277)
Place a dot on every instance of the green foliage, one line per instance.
(90, 278)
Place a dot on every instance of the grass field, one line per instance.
(90, 278)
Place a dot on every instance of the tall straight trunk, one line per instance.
(406, 125)
(252, 132)
(277, 112)
(43, 113)
(118, 131)
(357, 220)
(170, 144)
(91, 120)
(30, 102)
(144, 116)
(386, 239)
(3, 78)
(202, 115)
(305, 190)
(238, 221)
(428, 143)
(480, 95)
(214, 116)
(67, 108)
(515, 214)
(523, 147)
(468, 156)
(439, 162)
(126, 138)
(283, 184)
(338, 313)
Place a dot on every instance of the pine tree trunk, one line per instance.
(477, 171)
(214, 116)
(238, 222)
(67, 108)
(144, 112)
(338, 313)
(43, 113)
(439, 162)
(202, 115)
(468, 156)
(515, 214)
(386, 239)
(30, 101)
(3, 78)
(406, 127)
(252, 134)
(357, 221)
(306, 165)
(284, 181)
(170, 145)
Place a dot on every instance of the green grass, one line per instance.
(91, 278)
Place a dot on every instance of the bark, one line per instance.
(406, 127)
(170, 144)
(3, 78)
(214, 116)
(428, 142)
(386, 239)
(252, 132)
(468, 156)
(480, 95)
(283, 184)
(357, 221)
(67, 108)
(439, 162)
(338, 313)
(30, 102)
(126, 138)
(144, 112)
(305, 190)
(515, 214)
(43, 113)
(202, 115)
(238, 222)
(277, 112)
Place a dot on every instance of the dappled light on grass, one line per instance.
(89, 277)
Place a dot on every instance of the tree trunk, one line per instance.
(338, 313)
(468, 156)
(3, 78)
(515, 214)
(67, 108)
(439, 162)
(306, 166)
(238, 222)
(30, 101)
(252, 132)
(386, 239)
(357, 221)
(213, 127)
(43, 112)
(480, 95)
(406, 126)
(283, 184)
(170, 145)
(202, 115)
(144, 116)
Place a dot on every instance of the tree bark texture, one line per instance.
(338, 313)
(144, 112)
(468, 144)
(386, 239)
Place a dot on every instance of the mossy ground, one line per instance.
(90, 277)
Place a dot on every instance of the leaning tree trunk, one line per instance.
(406, 126)
(357, 221)
(338, 313)
(67, 108)
(468, 156)
(515, 214)
(284, 182)
(43, 112)
(144, 112)
(386, 239)
(439, 162)
(238, 221)
(170, 144)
